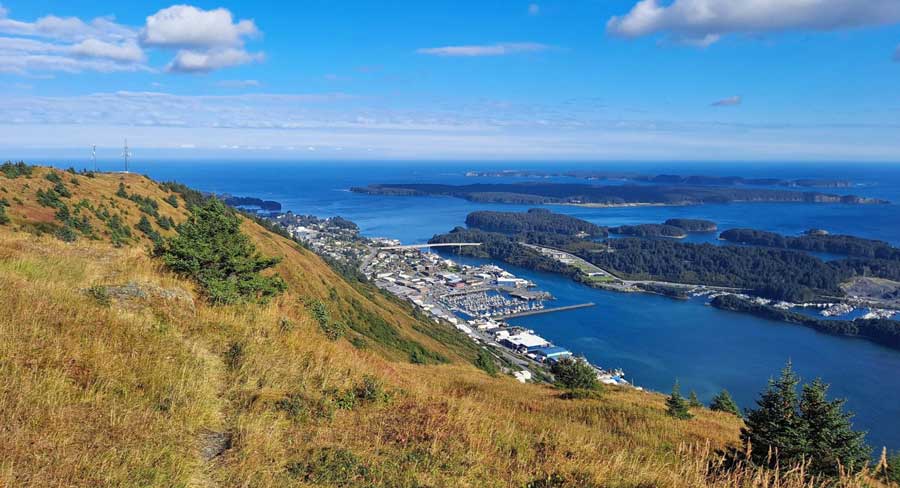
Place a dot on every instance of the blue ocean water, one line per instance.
(656, 340)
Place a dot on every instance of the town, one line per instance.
(477, 300)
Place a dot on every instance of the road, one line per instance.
(629, 285)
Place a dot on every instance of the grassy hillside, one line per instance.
(115, 372)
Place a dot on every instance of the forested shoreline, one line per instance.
(583, 194)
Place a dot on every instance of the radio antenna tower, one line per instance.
(94, 156)
(126, 154)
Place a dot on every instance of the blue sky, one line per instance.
(547, 80)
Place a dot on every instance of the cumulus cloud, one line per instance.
(185, 26)
(190, 61)
(500, 49)
(703, 22)
(203, 41)
(728, 102)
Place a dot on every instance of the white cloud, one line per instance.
(705, 21)
(127, 51)
(728, 102)
(239, 83)
(185, 26)
(189, 61)
(500, 49)
(534, 9)
(206, 40)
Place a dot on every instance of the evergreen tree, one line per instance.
(831, 442)
(775, 429)
(693, 401)
(575, 374)
(122, 192)
(724, 403)
(676, 405)
(892, 468)
(211, 249)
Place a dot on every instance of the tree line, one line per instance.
(815, 242)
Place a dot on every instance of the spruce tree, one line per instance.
(693, 401)
(832, 444)
(676, 406)
(724, 403)
(774, 429)
(211, 249)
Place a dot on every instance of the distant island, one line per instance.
(233, 201)
(607, 195)
(669, 179)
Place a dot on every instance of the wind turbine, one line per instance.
(94, 156)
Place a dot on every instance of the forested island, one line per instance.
(670, 179)
(650, 230)
(607, 195)
(693, 225)
(815, 241)
(534, 220)
(779, 274)
(234, 201)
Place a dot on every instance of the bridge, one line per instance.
(424, 246)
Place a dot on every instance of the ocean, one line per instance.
(656, 340)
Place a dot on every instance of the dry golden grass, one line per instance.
(126, 391)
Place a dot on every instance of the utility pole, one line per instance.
(126, 154)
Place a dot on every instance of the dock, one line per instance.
(545, 310)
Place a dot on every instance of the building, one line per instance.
(554, 353)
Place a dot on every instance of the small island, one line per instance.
(693, 225)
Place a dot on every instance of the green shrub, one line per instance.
(724, 403)
(676, 405)
(330, 466)
(172, 200)
(211, 249)
(146, 228)
(4, 219)
(53, 177)
(485, 362)
(15, 170)
(99, 293)
(574, 374)
(119, 233)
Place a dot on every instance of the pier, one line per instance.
(545, 310)
(426, 246)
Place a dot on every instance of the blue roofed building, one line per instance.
(554, 353)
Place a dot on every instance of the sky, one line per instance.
(592, 80)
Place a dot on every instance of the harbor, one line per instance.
(478, 300)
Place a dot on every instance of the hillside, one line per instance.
(116, 372)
